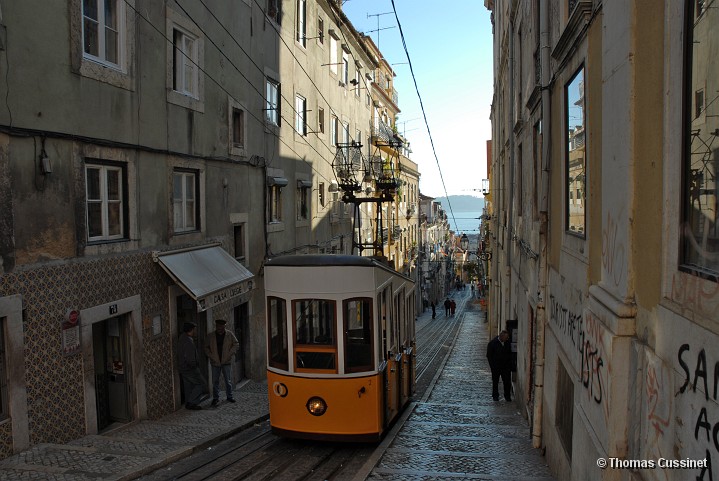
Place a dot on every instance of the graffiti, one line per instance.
(568, 323)
(588, 340)
(659, 409)
(613, 252)
(706, 429)
(695, 293)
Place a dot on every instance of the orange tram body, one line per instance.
(341, 346)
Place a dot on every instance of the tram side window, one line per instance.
(277, 332)
(315, 337)
(358, 328)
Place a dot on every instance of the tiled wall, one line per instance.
(55, 382)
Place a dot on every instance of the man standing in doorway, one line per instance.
(220, 346)
(499, 355)
(193, 382)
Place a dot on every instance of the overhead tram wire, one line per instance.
(289, 122)
(421, 104)
(221, 87)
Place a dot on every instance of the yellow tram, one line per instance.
(341, 346)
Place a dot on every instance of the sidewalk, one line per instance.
(459, 431)
(142, 447)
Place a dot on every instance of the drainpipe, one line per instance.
(510, 198)
(541, 317)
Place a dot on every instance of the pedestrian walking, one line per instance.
(434, 310)
(472, 287)
(193, 382)
(447, 306)
(452, 306)
(220, 346)
(499, 355)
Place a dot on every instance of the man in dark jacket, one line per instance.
(193, 382)
(499, 355)
(446, 307)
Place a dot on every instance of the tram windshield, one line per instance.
(277, 330)
(315, 337)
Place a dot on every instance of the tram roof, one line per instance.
(324, 260)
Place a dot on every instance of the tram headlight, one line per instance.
(316, 406)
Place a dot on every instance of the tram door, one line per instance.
(400, 370)
(187, 312)
(404, 332)
(112, 380)
(242, 323)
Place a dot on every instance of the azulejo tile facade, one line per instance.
(55, 383)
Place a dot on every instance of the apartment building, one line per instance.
(605, 215)
(152, 156)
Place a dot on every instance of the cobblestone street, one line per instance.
(459, 432)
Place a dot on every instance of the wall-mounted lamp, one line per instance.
(45, 164)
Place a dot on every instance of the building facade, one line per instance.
(605, 214)
(157, 157)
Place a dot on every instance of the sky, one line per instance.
(451, 54)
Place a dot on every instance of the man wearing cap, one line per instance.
(193, 381)
(220, 346)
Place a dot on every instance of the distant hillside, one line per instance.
(462, 203)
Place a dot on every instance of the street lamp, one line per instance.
(464, 242)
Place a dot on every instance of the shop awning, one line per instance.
(209, 275)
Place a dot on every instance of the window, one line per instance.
(274, 204)
(274, 10)
(238, 127)
(273, 102)
(358, 137)
(345, 69)
(303, 199)
(239, 242)
(698, 103)
(358, 82)
(301, 115)
(315, 341)
(184, 200)
(320, 31)
(334, 130)
(333, 55)
(565, 408)
(700, 223)
(186, 61)
(321, 193)
(537, 154)
(102, 31)
(321, 120)
(357, 314)
(302, 22)
(105, 191)
(575, 163)
(277, 332)
(520, 199)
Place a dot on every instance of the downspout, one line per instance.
(541, 317)
(510, 130)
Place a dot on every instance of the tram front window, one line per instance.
(277, 332)
(358, 328)
(315, 339)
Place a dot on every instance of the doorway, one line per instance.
(242, 325)
(187, 312)
(112, 379)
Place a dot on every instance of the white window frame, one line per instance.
(272, 101)
(301, 115)
(105, 202)
(181, 203)
(102, 27)
(345, 68)
(302, 22)
(186, 61)
(333, 55)
(274, 204)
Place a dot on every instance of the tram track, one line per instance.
(257, 454)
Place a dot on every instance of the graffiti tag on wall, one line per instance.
(587, 339)
(701, 380)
